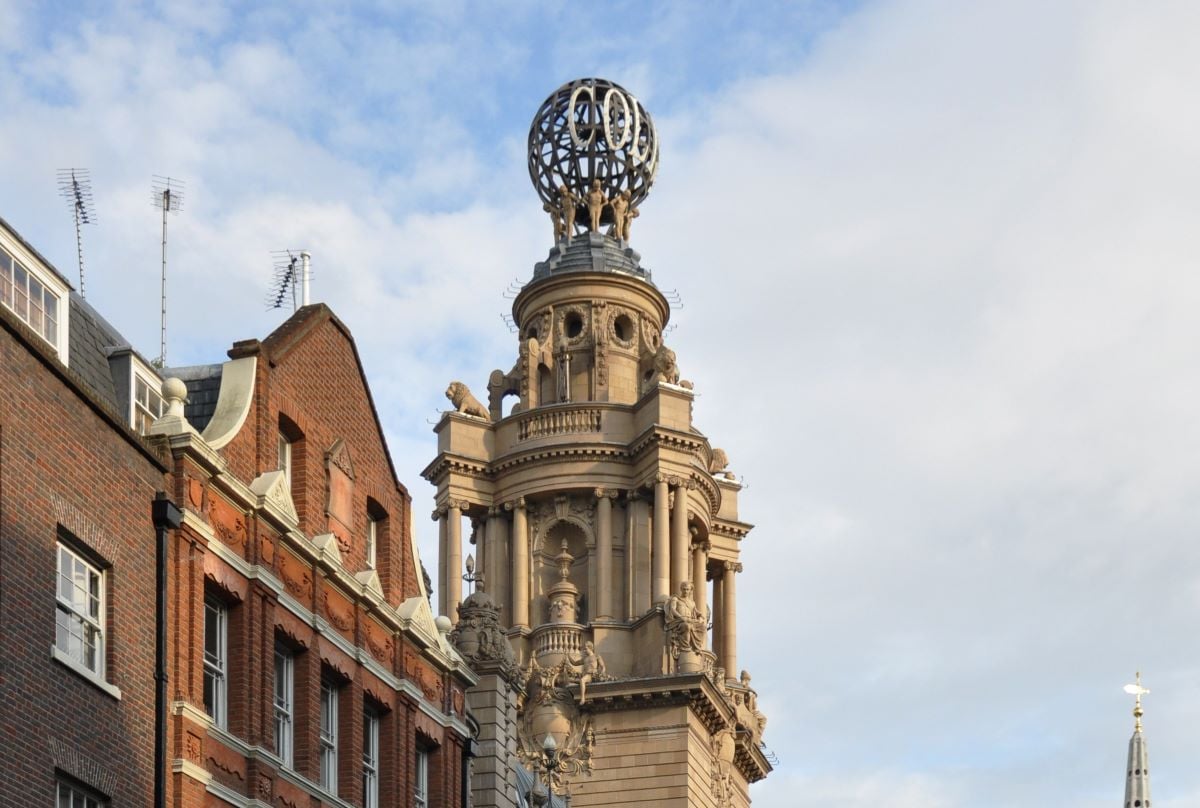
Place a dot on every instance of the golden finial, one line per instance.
(1137, 691)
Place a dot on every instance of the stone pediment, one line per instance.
(327, 544)
(339, 456)
(273, 491)
(369, 579)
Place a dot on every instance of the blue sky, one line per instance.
(947, 249)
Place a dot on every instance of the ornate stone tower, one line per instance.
(605, 523)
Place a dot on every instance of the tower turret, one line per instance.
(606, 523)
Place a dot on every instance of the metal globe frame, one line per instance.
(592, 129)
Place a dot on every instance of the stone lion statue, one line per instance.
(460, 396)
(720, 461)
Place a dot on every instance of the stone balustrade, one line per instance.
(554, 642)
(559, 421)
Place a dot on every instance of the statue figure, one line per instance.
(460, 396)
(623, 214)
(619, 205)
(564, 370)
(596, 202)
(560, 231)
(591, 669)
(567, 202)
(686, 624)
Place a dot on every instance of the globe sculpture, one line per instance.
(593, 154)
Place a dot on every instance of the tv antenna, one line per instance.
(292, 269)
(167, 195)
(75, 186)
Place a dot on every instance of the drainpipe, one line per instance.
(166, 516)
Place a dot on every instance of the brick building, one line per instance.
(305, 665)
(76, 594)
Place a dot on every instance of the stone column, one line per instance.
(604, 553)
(718, 606)
(454, 563)
(439, 516)
(497, 559)
(660, 560)
(729, 621)
(679, 535)
(699, 577)
(520, 575)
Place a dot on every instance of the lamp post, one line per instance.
(549, 763)
(471, 578)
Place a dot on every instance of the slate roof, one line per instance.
(203, 385)
(91, 340)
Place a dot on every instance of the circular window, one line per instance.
(573, 324)
(623, 327)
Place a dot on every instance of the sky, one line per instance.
(937, 272)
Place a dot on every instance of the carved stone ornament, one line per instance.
(480, 639)
(723, 750)
(465, 403)
(550, 710)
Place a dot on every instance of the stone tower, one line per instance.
(1137, 776)
(605, 524)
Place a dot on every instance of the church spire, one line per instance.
(1137, 777)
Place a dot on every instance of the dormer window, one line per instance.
(148, 405)
(26, 294)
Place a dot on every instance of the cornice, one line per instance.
(695, 690)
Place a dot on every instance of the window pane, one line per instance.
(20, 291)
(50, 331)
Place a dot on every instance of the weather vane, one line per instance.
(1137, 691)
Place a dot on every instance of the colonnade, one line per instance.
(677, 553)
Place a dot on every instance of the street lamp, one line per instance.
(549, 763)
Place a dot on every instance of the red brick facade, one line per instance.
(286, 566)
(304, 583)
(71, 471)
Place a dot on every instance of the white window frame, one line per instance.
(421, 779)
(284, 457)
(328, 742)
(285, 671)
(77, 606)
(216, 664)
(49, 280)
(372, 540)
(370, 758)
(142, 416)
(69, 795)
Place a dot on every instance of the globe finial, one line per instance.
(593, 154)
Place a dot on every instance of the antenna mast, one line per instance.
(292, 270)
(167, 195)
(75, 186)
